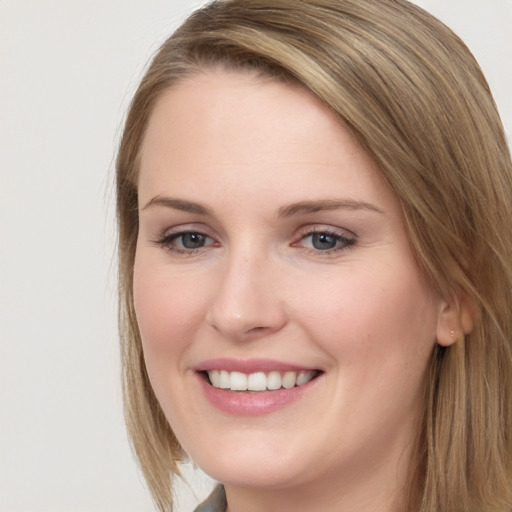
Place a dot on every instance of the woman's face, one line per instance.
(272, 254)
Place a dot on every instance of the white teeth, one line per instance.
(224, 380)
(238, 381)
(304, 377)
(259, 381)
(274, 380)
(288, 380)
(215, 378)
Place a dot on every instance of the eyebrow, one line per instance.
(178, 204)
(305, 207)
(300, 208)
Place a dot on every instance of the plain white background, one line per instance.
(67, 72)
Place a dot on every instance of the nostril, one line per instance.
(257, 319)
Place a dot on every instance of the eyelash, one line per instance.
(342, 242)
(166, 241)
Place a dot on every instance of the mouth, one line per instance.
(253, 387)
(259, 381)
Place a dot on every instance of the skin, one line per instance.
(245, 148)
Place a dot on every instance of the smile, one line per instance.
(259, 381)
(252, 387)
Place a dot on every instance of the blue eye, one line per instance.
(184, 241)
(192, 240)
(325, 241)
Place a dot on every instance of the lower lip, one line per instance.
(246, 403)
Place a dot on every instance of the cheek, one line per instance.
(384, 313)
(169, 308)
(379, 331)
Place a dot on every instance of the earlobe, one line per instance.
(456, 319)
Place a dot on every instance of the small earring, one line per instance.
(452, 333)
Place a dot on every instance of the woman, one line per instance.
(316, 263)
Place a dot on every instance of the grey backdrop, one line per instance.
(67, 71)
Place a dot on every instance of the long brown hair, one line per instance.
(415, 98)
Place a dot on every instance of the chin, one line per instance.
(252, 466)
(254, 475)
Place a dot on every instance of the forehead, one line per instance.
(216, 96)
(245, 102)
(246, 134)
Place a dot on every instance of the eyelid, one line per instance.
(167, 236)
(323, 228)
(185, 228)
(346, 238)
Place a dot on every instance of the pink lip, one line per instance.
(249, 365)
(247, 403)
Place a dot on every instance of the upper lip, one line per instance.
(250, 365)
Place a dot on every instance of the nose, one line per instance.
(247, 302)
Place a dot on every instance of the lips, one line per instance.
(254, 387)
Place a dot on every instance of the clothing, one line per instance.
(216, 502)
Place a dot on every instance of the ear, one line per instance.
(455, 319)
